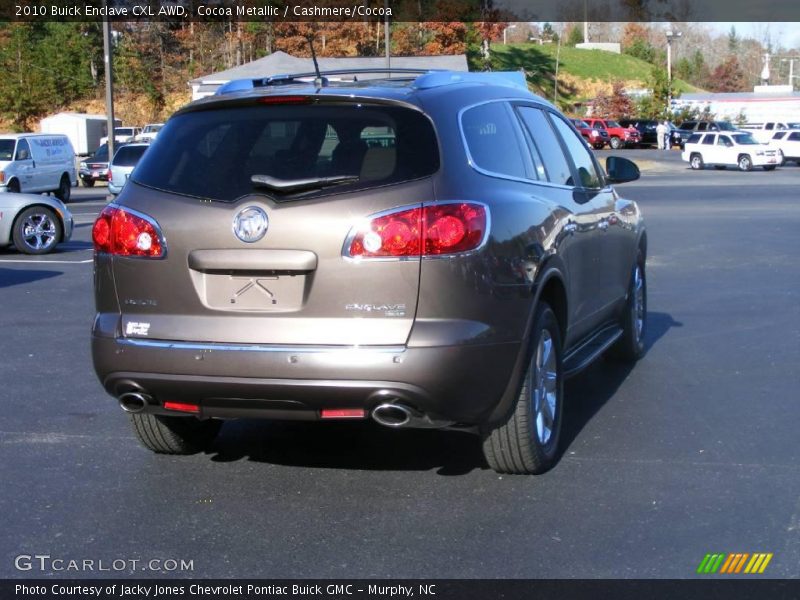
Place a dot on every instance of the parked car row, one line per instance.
(97, 167)
(124, 135)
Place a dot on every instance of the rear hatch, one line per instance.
(346, 159)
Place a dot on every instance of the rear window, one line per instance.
(128, 156)
(214, 153)
(688, 125)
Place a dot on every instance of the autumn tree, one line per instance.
(727, 77)
(636, 42)
(616, 105)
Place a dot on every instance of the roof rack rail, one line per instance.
(242, 85)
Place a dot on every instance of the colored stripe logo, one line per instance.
(734, 563)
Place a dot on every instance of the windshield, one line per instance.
(793, 125)
(216, 153)
(581, 124)
(725, 126)
(745, 139)
(7, 149)
(152, 128)
(101, 154)
(612, 124)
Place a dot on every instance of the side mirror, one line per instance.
(621, 170)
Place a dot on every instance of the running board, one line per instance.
(584, 354)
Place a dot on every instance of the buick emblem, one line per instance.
(250, 224)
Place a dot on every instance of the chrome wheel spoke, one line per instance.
(543, 380)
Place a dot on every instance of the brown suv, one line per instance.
(435, 250)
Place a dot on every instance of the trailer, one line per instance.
(84, 131)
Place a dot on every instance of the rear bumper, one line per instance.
(457, 383)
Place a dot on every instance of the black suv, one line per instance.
(428, 250)
(687, 128)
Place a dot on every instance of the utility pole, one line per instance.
(107, 50)
(386, 36)
(670, 36)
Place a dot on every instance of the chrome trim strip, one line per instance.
(474, 165)
(165, 344)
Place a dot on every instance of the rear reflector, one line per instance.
(182, 407)
(342, 413)
(432, 230)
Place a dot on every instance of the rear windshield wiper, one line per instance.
(293, 185)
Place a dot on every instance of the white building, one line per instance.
(764, 103)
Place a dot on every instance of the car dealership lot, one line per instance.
(692, 451)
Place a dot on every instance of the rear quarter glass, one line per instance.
(214, 153)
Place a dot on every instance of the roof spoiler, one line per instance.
(424, 78)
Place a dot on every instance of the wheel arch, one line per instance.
(550, 286)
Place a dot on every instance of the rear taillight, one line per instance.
(434, 230)
(125, 233)
(109, 174)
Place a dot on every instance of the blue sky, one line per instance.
(788, 34)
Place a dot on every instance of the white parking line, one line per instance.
(45, 262)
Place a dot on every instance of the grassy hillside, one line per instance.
(582, 74)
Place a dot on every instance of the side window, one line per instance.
(724, 140)
(794, 136)
(588, 175)
(702, 126)
(694, 138)
(770, 126)
(779, 135)
(23, 150)
(547, 146)
(492, 141)
(709, 139)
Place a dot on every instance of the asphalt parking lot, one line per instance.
(693, 451)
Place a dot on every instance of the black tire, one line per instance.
(744, 162)
(630, 347)
(64, 189)
(615, 143)
(696, 161)
(522, 445)
(599, 146)
(87, 182)
(13, 186)
(769, 167)
(36, 230)
(174, 435)
(719, 167)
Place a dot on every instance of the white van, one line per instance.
(36, 162)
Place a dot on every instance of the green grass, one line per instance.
(598, 65)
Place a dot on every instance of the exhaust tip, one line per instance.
(133, 402)
(392, 415)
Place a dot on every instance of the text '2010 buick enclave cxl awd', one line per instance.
(429, 250)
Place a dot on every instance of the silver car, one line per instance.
(122, 165)
(33, 223)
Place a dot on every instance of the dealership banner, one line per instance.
(400, 10)
(365, 589)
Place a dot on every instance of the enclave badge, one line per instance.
(250, 224)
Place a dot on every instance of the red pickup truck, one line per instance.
(619, 136)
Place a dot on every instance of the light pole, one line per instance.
(671, 35)
(792, 76)
(504, 33)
